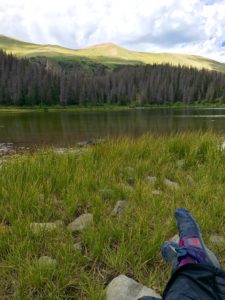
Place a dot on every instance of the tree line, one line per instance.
(40, 82)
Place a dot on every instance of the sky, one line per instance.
(180, 26)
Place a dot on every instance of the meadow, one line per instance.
(48, 186)
(108, 54)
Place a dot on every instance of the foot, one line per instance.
(191, 246)
(169, 254)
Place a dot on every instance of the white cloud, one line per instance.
(186, 26)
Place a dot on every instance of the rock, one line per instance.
(42, 197)
(60, 150)
(180, 163)
(4, 229)
(171, 184)
(190, 180)
(81, 222)
(125, 288)
(6, 148)
(223, 146)
(129, 169)
(168, 221)
(38, 227)
(131, 180)
(121, 205)
(47, 261)
(151, 179)
(217, 239)
(77, 246)
(156, 192)
(175, 239)
(85, 143)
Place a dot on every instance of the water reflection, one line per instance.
(68, 128)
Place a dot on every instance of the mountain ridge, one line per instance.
(105, 53)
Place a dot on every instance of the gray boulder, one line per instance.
(81, 222)
(125, 288)
(121, 205)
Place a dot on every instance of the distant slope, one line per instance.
(107, 54)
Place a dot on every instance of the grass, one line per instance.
(55, 108)
(105, 107)
(108, 54)
(93, 181)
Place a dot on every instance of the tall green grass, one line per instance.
(46, 186)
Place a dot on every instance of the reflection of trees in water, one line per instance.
(67, 128)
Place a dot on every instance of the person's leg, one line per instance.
(191, 248)
(196, 270)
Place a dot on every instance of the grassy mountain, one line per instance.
(107, 54)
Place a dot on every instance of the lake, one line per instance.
(65, 128)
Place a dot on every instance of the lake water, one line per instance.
(64, 128)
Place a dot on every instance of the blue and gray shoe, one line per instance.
(191, 246)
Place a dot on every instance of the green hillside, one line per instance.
(106, 54)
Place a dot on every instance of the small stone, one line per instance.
(180, 163)
(125, 288)
(85, 143)
(171, 184)
(190, 180)
(59, 150)
(4, 229)
(42, 197)
(38, 227)
(151, 179)
(81, 222)
(121, 205)
(129, 169)
(223, 146)
(156, 192)
(131, 180)
(217, 239)
(77, 246)
(47, 261)
(175, 239)
(168, 221)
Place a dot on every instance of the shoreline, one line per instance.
(105, 108)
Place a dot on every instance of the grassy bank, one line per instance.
(46, 186)
(76, 108)
(55, 108)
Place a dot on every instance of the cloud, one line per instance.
(186, 26)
